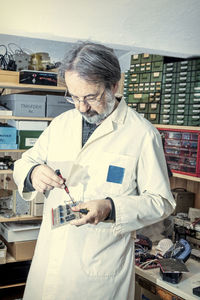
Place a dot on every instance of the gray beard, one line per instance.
(96, 118)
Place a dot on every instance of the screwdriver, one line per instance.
(83, 210)
(66, 188)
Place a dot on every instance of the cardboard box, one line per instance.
(8, 134)
(27, 138)
(21, 250)
(16, 232)
(38, 209)
(24, 105)
(55, 105)
(9, 76)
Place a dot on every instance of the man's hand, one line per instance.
(98, 212)
(44, 178)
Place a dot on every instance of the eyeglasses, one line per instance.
(86, 99)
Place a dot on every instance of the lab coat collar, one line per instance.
(107, 126)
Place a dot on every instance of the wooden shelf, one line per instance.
(25, 118)
(20, 218)
(12, 150)
(187, 177)
(20, 86)
(6, 172)
(196, 128)
(12, 285)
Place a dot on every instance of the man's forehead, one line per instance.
(79, 86)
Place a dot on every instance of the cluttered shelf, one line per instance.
(20, 218)
(178, 127)
(25, 118)
(36, 87)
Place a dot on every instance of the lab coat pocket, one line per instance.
(103, 252)
(112, 173)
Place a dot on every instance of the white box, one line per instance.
(56, 105)
(24, 105)
(16, 232)
(28, 125)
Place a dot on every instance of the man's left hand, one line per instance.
(98, 210)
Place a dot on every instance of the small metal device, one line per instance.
(63, 214)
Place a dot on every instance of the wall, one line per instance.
(168, 25)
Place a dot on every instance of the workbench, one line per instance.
(151, 281)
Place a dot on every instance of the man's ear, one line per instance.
(115, 88)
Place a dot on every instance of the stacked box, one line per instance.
(180, 100)
(28, 132)
(182, 150)
(8, 137)
(142, 85)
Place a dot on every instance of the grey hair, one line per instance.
(93, 62)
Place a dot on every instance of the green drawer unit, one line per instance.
(195, 87)
(184, 77)
(194, 98)
(157, 66)
(156, 57)
(167, 109)
(168, 88)
(183, 88)
(154, 118)
(181, 109)
(196, 64)
(166, 119)
(145, 77)
(193, 120)
(169, 78)
(136, 98)
(180, 120)
(133, 105)
(141, 68)
(144, 115)
(134, 77)
(155, 97)
(156, 76)
(154, 108)
(168, 99)
(27, 138)
(184, 66)
(194, 110)
(136, 58)
(146, 57)
(143, 107)
(170, 67)
(182, 98)
(195, 76)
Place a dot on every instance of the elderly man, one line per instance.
(113, 163)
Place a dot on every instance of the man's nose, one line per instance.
(83, 106)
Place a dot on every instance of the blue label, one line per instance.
(115, 174)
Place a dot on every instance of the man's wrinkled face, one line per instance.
(92, 100)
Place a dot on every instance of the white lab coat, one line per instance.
(96, 262)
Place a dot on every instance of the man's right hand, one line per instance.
(44, 178)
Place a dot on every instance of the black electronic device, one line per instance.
(180, 250)
(38, 77)
(196, 291)
(143, 241)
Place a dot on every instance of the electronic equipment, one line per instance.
(63, 214)
(196, 291)
(171, 269)
(184, 200)
(180, 250)
(38, 77)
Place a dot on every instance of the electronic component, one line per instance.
(180, 250)
(171, 269)
(38, 77)
(196, 291)
(63, 214)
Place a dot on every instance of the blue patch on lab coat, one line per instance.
(115, 174)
